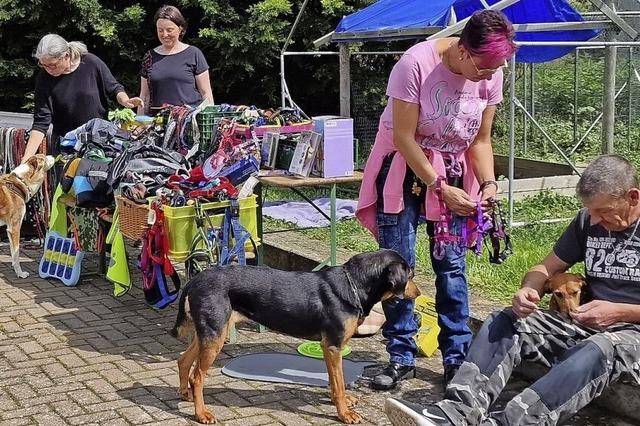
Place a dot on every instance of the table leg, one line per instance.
(260, 249)
(233, 334)
(333, 253)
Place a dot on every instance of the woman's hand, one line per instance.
(133, 103)
(458, 201)
(488, 192)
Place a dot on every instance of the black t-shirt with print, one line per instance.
(611, 259)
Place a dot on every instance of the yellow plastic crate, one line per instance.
(427, 336)
(181, 225)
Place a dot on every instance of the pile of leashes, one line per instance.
(475, 230)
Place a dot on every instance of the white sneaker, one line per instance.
(403, 413)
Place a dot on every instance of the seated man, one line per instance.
(587, 351)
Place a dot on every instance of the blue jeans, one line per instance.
(398, 232)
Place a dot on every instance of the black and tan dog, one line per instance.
(16, 188)
(327, 306)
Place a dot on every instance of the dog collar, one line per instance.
(22, 192)
(26, 190)
(354, 290)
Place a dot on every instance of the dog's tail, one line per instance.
(184, 322)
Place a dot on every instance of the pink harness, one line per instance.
(473, 232)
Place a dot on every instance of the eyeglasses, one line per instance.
(53, 65)
(489, 71)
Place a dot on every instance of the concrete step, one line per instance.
(293, 251)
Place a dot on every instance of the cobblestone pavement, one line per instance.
(81, 356)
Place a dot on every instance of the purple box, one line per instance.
(335, 157)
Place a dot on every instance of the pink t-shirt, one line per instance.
(451, 109)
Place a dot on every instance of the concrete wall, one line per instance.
(16, 119)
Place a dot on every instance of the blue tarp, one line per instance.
(396, 15)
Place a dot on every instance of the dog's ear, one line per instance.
(34, 162)
(548, 288)
(397, 274)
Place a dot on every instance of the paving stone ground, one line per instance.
(72, 356)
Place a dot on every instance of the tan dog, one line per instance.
(566, 291)
(16, 189)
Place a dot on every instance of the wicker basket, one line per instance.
(132, 218)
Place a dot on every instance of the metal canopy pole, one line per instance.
(575, 96)
(453, 29)
(512, 136)
(283, 82)
(293, 27)
(533, 98)
(629, 104)
(546, 135)
(525, 95)
(609, 89)
(610, 12)
(594, 124)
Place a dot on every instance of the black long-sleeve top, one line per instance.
(70, 100)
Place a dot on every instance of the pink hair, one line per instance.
(489, 33)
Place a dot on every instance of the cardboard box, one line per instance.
(305, 154)
(335, 156)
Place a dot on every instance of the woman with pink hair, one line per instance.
(435, 134)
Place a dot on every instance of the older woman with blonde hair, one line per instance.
(73, 87)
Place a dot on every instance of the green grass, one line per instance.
(495, 282)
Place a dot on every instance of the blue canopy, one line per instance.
(393, 17)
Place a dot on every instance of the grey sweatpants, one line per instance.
(584, 362)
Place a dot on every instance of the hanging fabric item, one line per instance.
(155, 264)
(118, 269)
(232, 228)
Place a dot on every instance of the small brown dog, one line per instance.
(567, 291)
(16, 188)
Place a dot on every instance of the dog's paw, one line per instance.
(351, 400)
(186, 394)
(206, 417)
(23, 274)
(350, 417)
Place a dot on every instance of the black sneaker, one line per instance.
(391, 375)
(403, 413)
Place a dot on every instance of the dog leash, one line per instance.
(442, 237)
(472, 231)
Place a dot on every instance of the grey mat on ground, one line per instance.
(289, 368)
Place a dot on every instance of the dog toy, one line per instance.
(61, 259)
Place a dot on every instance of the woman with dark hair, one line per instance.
(73, 87)
(173, 73)
(433, 147)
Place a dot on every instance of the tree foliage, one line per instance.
(241, 40)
